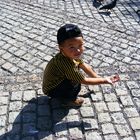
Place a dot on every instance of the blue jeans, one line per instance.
(67, 89)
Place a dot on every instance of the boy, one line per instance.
(62, 78)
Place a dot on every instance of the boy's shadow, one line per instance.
(40, 118)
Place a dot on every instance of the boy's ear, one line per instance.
(60, 47)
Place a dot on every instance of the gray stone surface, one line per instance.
(112, 45)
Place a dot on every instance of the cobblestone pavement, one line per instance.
(28, 41)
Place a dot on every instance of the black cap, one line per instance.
(68, 31)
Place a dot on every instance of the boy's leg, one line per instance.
(66, 90)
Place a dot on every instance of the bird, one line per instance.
(138, 11)
(109, 6)
(100, 0)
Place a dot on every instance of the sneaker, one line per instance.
(78, 102)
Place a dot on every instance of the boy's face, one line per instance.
(72, 48)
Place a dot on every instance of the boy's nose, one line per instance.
(78, 50)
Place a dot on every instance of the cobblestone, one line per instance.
(137, 135)
(126, 101)
(28, 41)
(101, 107)
(123, 130)
(118, 118)
(108, 128)
(111, 136)
(30, 33)
(87, 111)
(95, 135)
(104, 117)
(113, 106)
(66, 123)
(135, 123)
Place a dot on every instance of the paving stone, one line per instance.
(128, 138)
(126, 101)
(2, 120)
(137, 101)
(28, 41)
(110, 97)
(16, 105)
(90, 123)
(87, 101)
(14, 69)
(87, 111)
(101, 107)
(137, 133)
(131, 112)
(2, 61)
(123, 130)
(135, 123)
(3, 110)
(7, 65)
(4, 94)
(97, 96)
(4, 101)
(104, 117)
(107, 89)
(108, 128)
(111, 136)
(132, 84)
(91, 135)
(34, 33)
(73, 112)
(73, 120)
(75, 133)
(114, 106)
(1, 87)
(16, 96)
(28, 95)
(118, 118)
(14, 117)
(94, 88)
(2, 131)
(135, 92)
(6, 55)
(21, 79)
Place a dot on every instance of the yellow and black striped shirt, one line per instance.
(59, 68)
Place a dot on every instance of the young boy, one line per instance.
(62, 78)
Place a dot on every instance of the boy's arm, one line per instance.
(88, 70)
(100, 80)
(94, 78)
(94, 81)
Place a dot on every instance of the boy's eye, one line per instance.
(72, 48)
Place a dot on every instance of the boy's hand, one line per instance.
(113, 79)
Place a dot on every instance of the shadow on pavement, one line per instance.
(40, 118)
(105, 13)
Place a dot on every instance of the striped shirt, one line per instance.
(60, 68)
